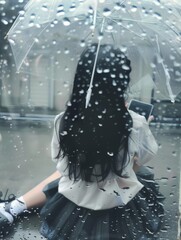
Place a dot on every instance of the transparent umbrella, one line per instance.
(147, 31)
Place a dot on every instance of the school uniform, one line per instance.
(128, 207)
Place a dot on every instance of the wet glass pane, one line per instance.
(38, 61)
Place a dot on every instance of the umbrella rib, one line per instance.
(134, 20)
(167, 75)
(120, 5)
(18, 68)
(172, 29)
(127, 29)
(94, 19)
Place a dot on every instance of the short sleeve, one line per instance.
(55, 143)
(145, 144)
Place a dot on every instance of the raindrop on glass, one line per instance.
(63, 133)
(66, 21)
(44, 8)
(123, 48)
(72, 7)
(134, 9)
(125, 67)
(110, 154)
(174, 153)
(113, 76)
(12, 41)
(117, 6)
(157, 15)
(82, 43)
(60, 13)
(4, 21)
(106, 70)
(99, 70)
(106, 12)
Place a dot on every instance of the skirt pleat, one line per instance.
(141, 219)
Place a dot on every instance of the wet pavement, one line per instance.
(25, 161)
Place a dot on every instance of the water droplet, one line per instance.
(32, 15)
(106, 12)
(104, 111)
(164, 179)
(69, 104)
(44, 8)
(60, 13)
(66, 51)
(157, 15)
(82, 43)
(123, 48)
(81, 91)
(100, 36)
(99, 70)
(12, 41)
(174, 153)
(110, 154)
(64, 133)
(121, 75)
(125, 67)
(66, 21)
(134, 8)
(109, 27)
(106, 70)
(4, 21)
(31, 24)
(60, 7)
(113, 76)
(117, 6)
(72, 7)
(54, 42)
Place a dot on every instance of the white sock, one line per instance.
(17, 206)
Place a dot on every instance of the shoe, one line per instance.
(6, 218)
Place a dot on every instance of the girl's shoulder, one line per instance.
(57, 120)
(58, 117)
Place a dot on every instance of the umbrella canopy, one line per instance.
(147, 31)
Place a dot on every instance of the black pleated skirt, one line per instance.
(141, 219)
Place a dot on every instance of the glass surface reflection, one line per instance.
(28, 104)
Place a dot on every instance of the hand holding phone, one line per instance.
(142, 108)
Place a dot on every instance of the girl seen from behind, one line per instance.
(95, 192)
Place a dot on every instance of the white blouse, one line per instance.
(114, 190)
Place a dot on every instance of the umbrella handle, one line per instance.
(89, 91)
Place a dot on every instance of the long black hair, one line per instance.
(96, 135)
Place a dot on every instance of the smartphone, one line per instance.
(142, 108)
